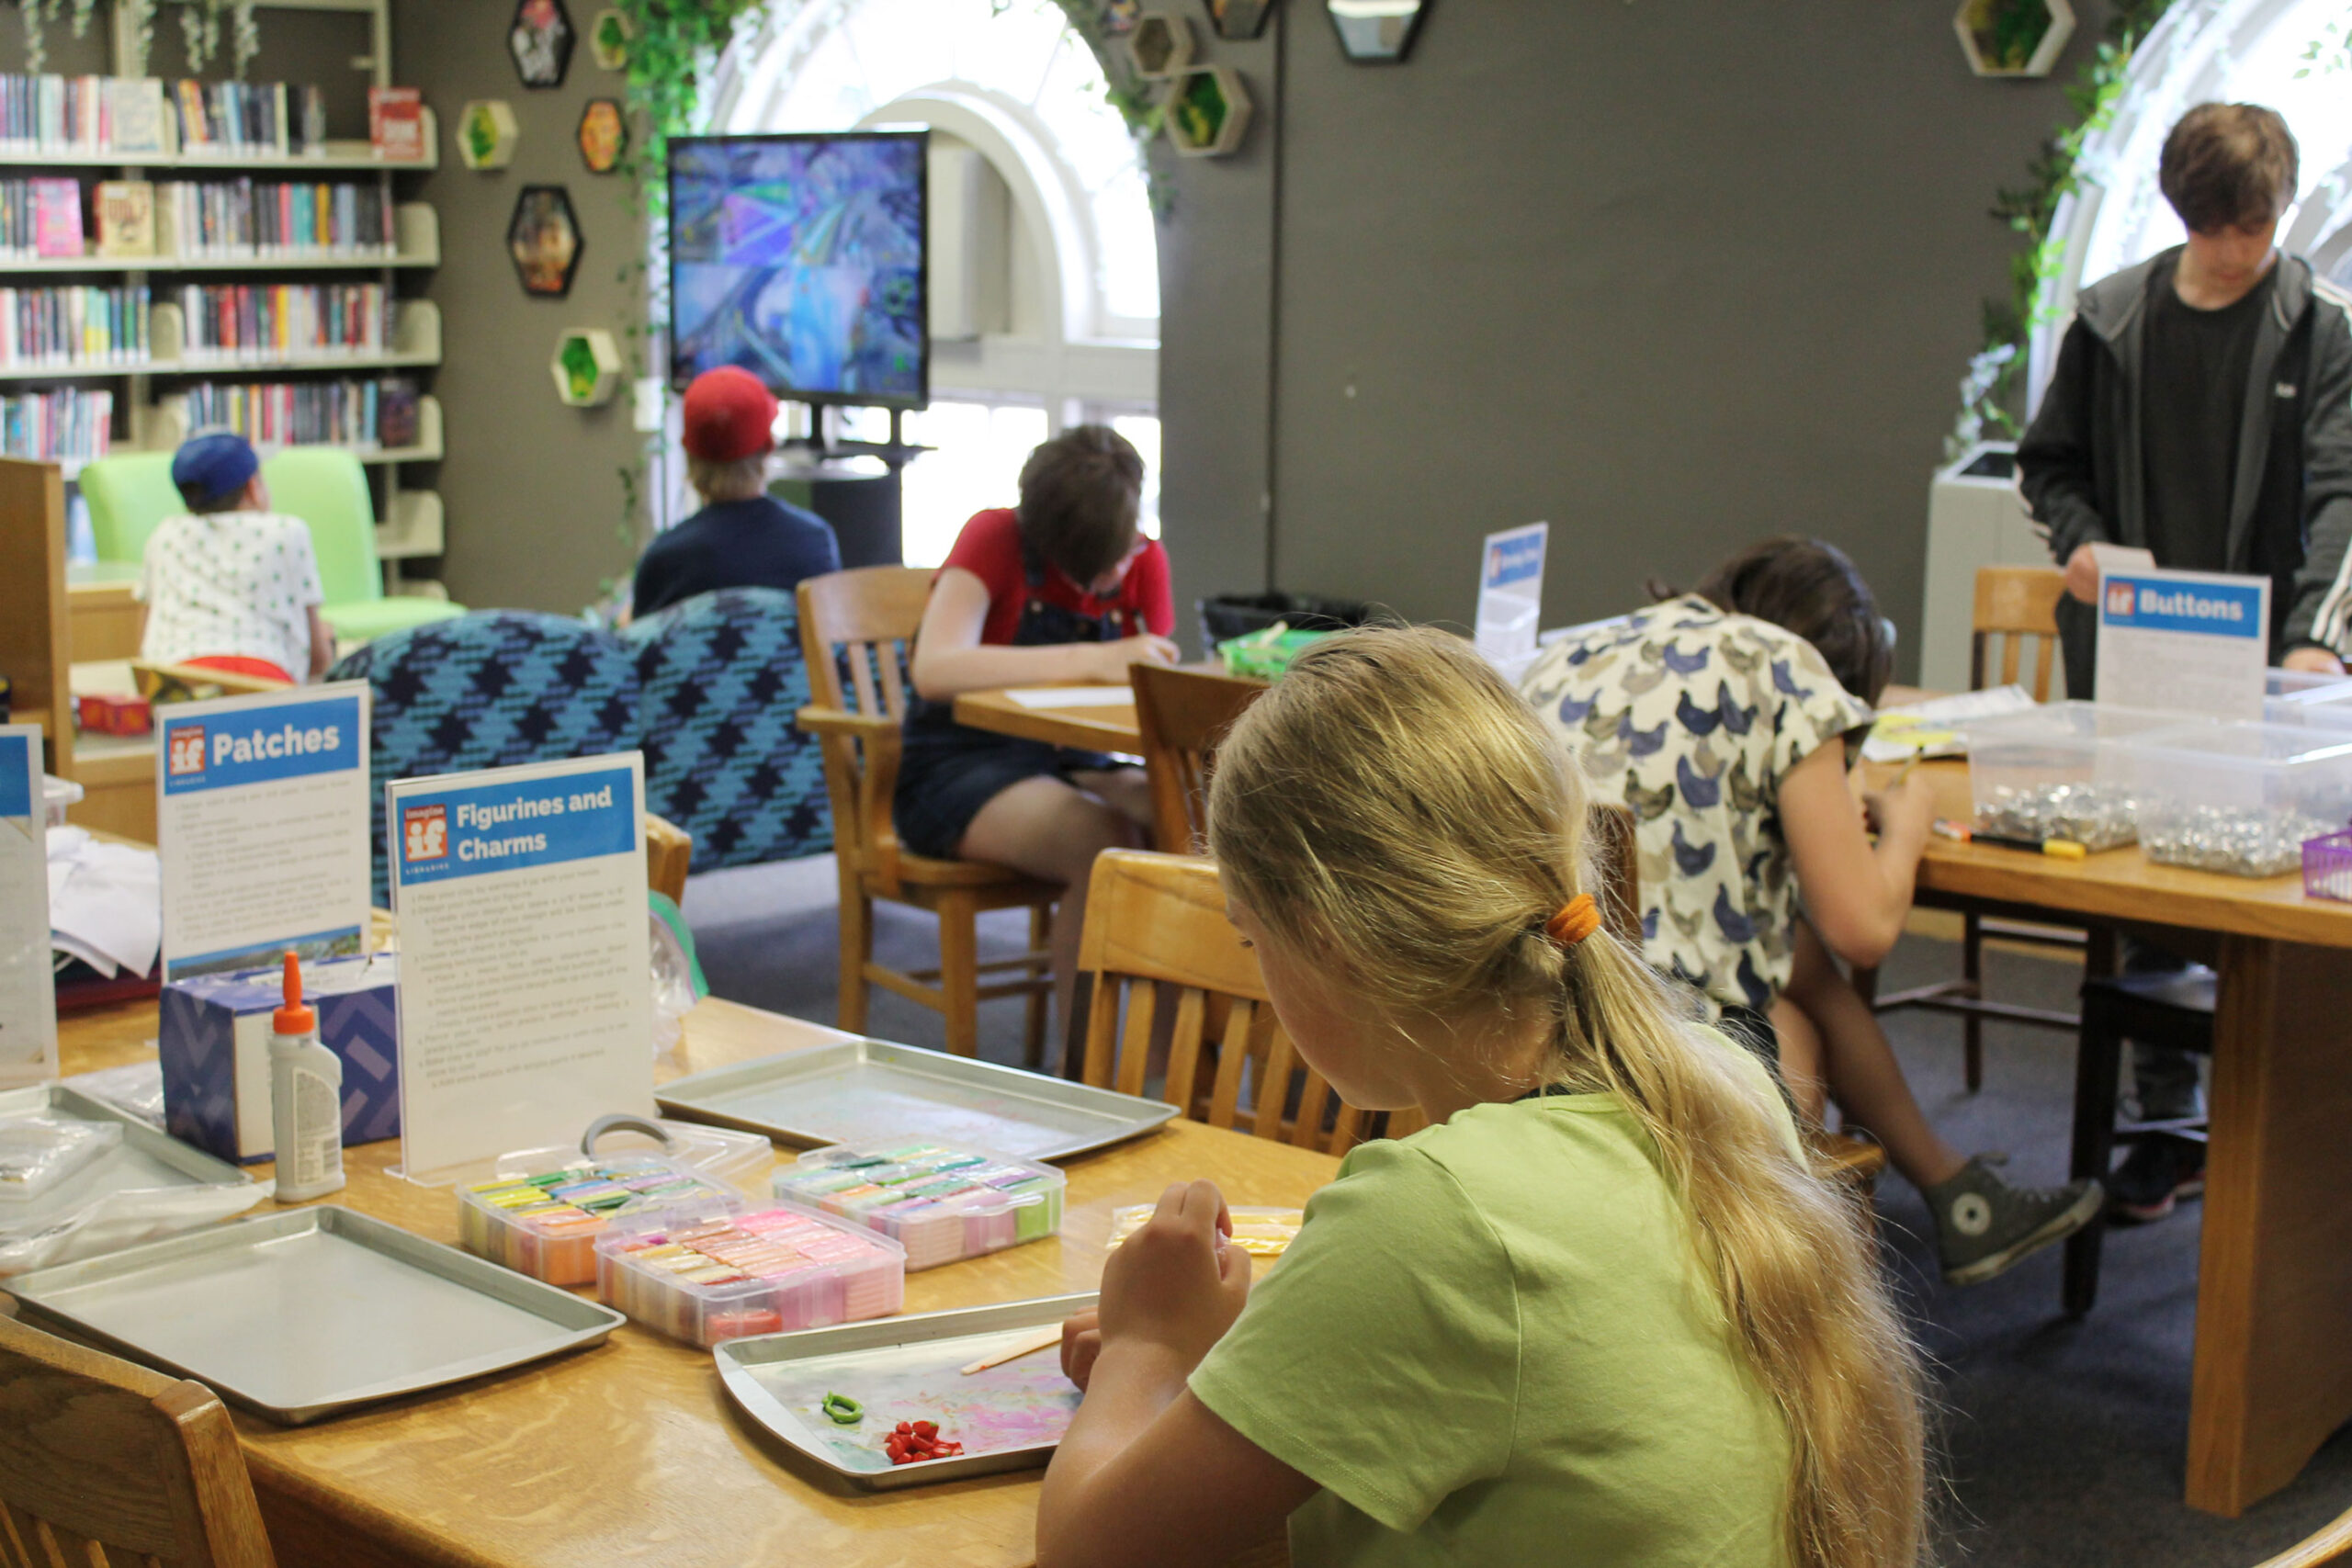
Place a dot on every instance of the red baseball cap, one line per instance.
(729, 416)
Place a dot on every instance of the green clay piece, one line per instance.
(841, 1410)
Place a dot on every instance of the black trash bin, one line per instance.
(1225, 615)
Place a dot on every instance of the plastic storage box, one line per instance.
(720, 1275)
(544, 1220)
(2239, 798)
(2057, 772)
(2327, 866)
(2306, 686)
(940, 1203)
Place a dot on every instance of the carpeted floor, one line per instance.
(2062, 1443)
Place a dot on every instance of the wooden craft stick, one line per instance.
(1050, 1335)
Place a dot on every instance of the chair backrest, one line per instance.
(861, 625)
(1156, 921)
(129, 494)
(327, 488)
(103, 1462)
(1182, 715)
(2016, 604)
(2331, 1543)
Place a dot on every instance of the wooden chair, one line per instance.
(2332, 1543)
(1182, 715)
(2017, 609)
(862, 623)
(1155, 923)
(103, 1462)
(669, 856)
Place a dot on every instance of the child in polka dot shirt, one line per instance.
(230, 584)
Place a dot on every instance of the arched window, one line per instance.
(1053, 260)
(2227, 50)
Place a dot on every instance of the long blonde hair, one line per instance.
(1393, 805)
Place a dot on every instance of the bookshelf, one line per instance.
(145, 382)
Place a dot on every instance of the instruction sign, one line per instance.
(28, 980)
(261, 823)
(2184, 641)
(524, 985)
(1510, 596)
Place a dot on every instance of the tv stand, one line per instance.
(853, 485)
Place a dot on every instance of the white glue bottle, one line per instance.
(305, 1099)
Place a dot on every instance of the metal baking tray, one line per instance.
(145, 1157)
(865, 1089)
(306, 1312)
(902, 1368)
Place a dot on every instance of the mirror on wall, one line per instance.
(1376, 32)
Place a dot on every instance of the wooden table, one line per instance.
(2272, 1375)
(1107, 728)
(632, 1451)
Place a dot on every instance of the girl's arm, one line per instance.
(1858, 895)
(951, 657)
(1146, 1473)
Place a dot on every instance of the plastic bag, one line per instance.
(137, 1089)
(38, 1152)
(678, 982)
(121, 1219)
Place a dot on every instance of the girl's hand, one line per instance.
(1905, 811)
(1112, 659)
(1174, 1285)
(1081, 1342)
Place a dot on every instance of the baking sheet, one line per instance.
(306, 1312)
(907, 1369)
(145, 1158)
(862, 1090)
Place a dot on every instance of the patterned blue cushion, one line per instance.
(489, 690)
(720, 677)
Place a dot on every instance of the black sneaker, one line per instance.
(2159, 1171)
(1984, 1226)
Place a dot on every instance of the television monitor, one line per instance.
(803, 259)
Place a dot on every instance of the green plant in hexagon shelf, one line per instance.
(487, 132)
(1208, 112)
(2013, 37)
(587, 367)
(609, 37)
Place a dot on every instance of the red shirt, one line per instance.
(989, 548)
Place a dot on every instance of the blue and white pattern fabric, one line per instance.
(1691, 717)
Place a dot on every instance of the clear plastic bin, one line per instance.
(543, 1217)
(721, 1276)
(2057, 772)
(2239, 798)
(2305, 686)
(940, 1203)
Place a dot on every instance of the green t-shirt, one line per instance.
(1492, 1343)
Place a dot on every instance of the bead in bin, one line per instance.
(2234, 840)
(2095, 816)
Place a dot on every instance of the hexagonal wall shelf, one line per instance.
(487, 133)
(587, 367)
(1160, 46)
(544, 239)
(609, 38)
(1208, 111)
(603, 135)
(2013, 37)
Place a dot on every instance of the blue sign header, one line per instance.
(18, 765)
(472, 829)
(1515, 557)
(260, 745)
(2213, 609)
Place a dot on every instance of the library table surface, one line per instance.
(1107, 728)
(632, 1451)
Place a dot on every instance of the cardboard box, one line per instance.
(214, 1042)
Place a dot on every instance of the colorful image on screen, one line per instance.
(801, 260)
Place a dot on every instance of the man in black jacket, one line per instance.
(2201, 408)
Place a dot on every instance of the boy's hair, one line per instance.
(2229, 165)
(1810, 587)
(739, 478)
(1081, 495)
(1392, 808)
(200, 504)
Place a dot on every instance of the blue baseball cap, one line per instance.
(213, 466)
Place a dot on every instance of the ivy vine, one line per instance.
(200, 29)
(1990, 403)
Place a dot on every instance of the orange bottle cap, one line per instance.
(294, 1018)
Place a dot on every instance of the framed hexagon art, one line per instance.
(544, 239)
(540, 39)
(609, 37)
(1207, 111)
(603, 135)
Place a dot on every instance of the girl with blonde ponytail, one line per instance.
(1600, 1312)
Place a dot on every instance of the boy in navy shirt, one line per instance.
(742, 537)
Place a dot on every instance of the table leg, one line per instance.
(2273, 1370)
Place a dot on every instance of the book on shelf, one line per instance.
(342, 412)
(396, 123)
(396, 421)
(232, 119)
(135, 107)
(314, 121)
(234, 323)
(274, 218)
(126, 211)
(57, 217)
(74, 327)
(70, 425)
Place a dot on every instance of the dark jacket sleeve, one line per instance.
(2322, 612)
(2054, 460)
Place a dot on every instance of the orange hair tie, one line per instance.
(1577, 919)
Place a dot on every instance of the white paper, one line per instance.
(1072, 696)
(1510, 595)
(105, 903)
(1932, 729)
(524, 985)
(261, 818)
(27, 979)
(2122, 558)
(2186, 642)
